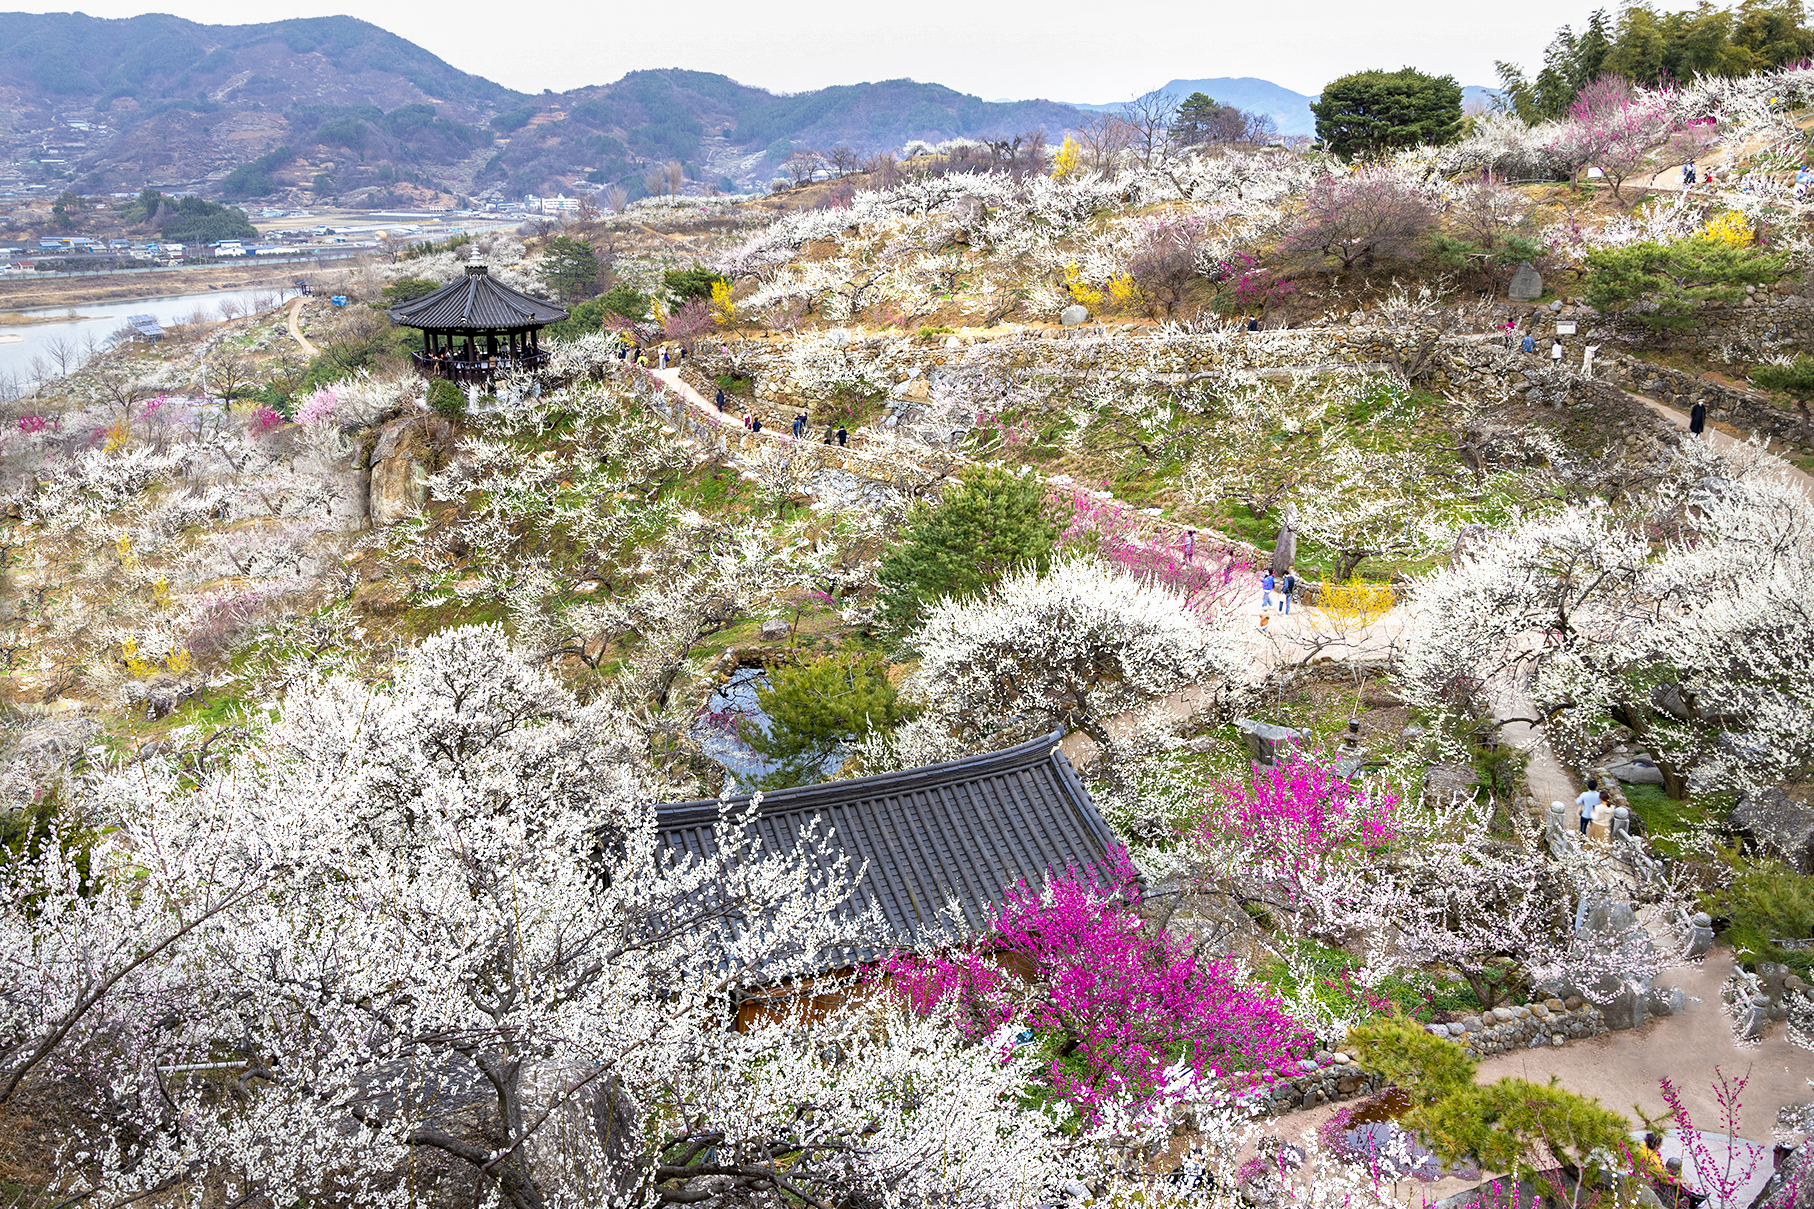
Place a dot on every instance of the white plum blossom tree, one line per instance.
(1684, 620)
(427, 926)
(1070, 648)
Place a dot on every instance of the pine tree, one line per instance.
(994, 523)
(815, 708)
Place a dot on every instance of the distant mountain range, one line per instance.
(1291, 110)
(335, 109)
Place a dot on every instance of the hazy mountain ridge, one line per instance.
(337, 108)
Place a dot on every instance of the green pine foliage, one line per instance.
(1511, 1125)
(570, 267)
(684, 285)
(447, 399)
(1795, 379)
(1663, 284)
(994, 523)
(1422, 1065)
(816, 707)
(1371, 114)
(1522, 1127)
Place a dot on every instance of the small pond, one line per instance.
(733, 710)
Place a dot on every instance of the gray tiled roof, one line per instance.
(927, 838)
(476, 301)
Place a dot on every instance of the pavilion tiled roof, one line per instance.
(937, 846)
(476, 302)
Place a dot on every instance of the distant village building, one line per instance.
(560, 203)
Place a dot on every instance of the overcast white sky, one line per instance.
(1100, 52)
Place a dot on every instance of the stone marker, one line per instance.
(1073, 315)
(1267, 744)
(1700, 935)
(1527, 284)
(774, 630)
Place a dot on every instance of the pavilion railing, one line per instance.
(482, 370)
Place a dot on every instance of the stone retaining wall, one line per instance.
(1746, 410)
(1550, 1022)
(1330, 1077)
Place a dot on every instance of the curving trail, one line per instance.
(296, 327)
(1720, 440)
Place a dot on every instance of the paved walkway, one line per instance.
(296, 327)
(1722, 440)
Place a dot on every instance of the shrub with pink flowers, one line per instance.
(264, 420)
(1208, 582)
(1291, 819)
(319, 406)
(33, 424)
(1114, 1006)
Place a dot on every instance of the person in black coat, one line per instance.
(1697, 418)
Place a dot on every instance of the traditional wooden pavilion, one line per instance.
(478, 328)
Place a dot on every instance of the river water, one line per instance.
(100, 320)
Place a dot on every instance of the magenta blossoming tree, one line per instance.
(1286, 824)
(1121, 1010)
(1615, 128)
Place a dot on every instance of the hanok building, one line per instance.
(478, 328)
(938, 847)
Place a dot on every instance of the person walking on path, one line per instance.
(755, 423)
(746, 421)
(1697, 417)
(1555, 353)
(843, 436)
(1266, 586)
(1286, 588)
(1528, 344)
(1688, 175)
(664, 359)
(830, 436)
(1588, 802)
(721, 400)
(1190, 546)
(799, 425)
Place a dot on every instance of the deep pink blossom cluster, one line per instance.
(1118, 1006)
(1295, 817)
(33, 424)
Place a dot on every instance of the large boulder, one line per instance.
(1638, 770)
(1778, 825)
(407, 451)
(1073, 315)
(1526, 285)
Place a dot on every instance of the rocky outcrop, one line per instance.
(407, 451)
(1775, 823)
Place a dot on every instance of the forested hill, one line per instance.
(336, 108)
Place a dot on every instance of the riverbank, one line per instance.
(15, 319)
(26, 291)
